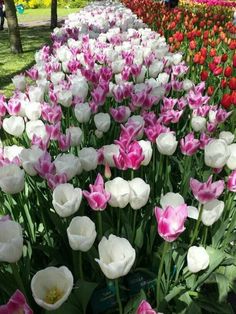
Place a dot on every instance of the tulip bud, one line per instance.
(197, 259)
(166, 143)
(81, 233)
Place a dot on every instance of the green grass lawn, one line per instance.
(33, 38)
(31, 15)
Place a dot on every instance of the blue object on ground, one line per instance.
(20, 8)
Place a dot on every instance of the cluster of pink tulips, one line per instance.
(113, 166)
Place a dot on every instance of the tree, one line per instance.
(13, 28)
(53, 14)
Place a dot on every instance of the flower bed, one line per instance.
(117, 177)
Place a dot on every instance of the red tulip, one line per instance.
(223, 83)
(226, 101)
(217, 71)
(232, 83)
(210, 90)
(228, 71)
(224, 57)
(192, 44)
(204, 75)
(234, 61)
(233, 98)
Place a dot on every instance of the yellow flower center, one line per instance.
(53, 295)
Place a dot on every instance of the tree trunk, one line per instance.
(53, 14)
(13, 28)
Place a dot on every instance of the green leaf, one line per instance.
(174, 292)
(133, 304)
(216, 258)
(139, 237)
(193, 308)
(223, 286)
(84, 291)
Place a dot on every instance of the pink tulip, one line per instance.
(120, 114)
(189, 145)
(64, 141)
(130, 157)
(53, 180)
(206, 191)
(53, 130)
(145, 308)
(16, 305)
(98, 197)
(171, 221)
(231, 184)
(44, 165)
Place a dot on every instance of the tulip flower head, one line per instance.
(171, 221)
(98, 197)
(206, 191)
(16, 304)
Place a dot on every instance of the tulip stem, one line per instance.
(118, 296)
(81, 275)
(134, 225)
(16, 274)
(100, 224)
(195, 232)
(165, 248)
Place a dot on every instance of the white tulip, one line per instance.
(29, 158)
(120, 192)
(231, 162)
(116, 255)
(155, 68)
(89, 158)
(166, 143)
(83, 112)
(36, 128)
(187, 84)
(216, 153)
(36, 94)
(19, 82)
(81, 233)
(51, 287)
(198, 123)
(68, 164)
(14, 125)
(139, 193)
(79, 87)
(140, 78)
(227, 136)
(212, 211)
(57, 77)
(177, 58)
(171, 199)
(108, 152)
(163, 78)
(11, 152)
(76, 135)
(11, 241)
(197, 259)
(11, 179)
(66, 199)
(65, 98)
(33, 110)
(102, 121)
(147, 151)
(117, 66)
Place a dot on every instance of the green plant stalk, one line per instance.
(134, 225)
(100, 224)
(118, 296)
(81, 274)
(166, 245)
(16, 274)
(196, 229)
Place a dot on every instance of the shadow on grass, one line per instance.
(33, 38)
